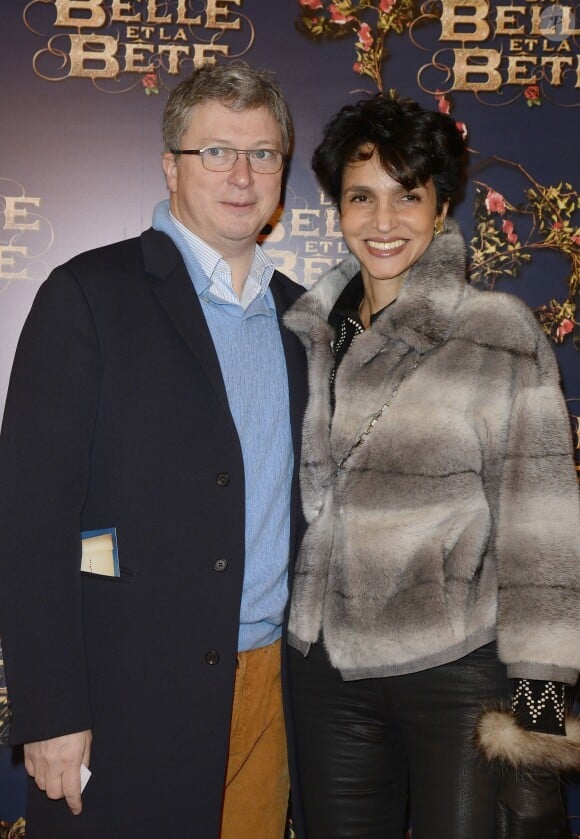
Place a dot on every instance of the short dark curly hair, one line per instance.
(413, 145)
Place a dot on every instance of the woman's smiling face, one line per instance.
(387, 227)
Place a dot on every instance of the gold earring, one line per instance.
(438, 229)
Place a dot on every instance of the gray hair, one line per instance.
(236, 86)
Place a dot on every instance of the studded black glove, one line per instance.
(530, 806)
(540, 706)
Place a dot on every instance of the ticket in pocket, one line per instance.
(99, 552)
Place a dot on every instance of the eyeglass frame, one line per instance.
(247, 152)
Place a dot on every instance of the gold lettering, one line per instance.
(7, 261)
(540, 22)
(217, 12)
(152, 13)
(485, 65)
(313, 268)
(173, 51)
(568, 19)
(333, 230)
(14, 212)
(134, 55)
(182, 15)
(91, 13)
(301, 223)
(577, 432)
(556, 62)
(560, 26)
(517, 66)
(451, 20)
(506, 18)
(523, 44)
(548, 46)
(88, 50)
(123, 12)
(202, 53)
(99, 56)
(117, 11)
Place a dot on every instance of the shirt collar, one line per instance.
(216, 269)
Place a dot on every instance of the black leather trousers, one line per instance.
(370, 751)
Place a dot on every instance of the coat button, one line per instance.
(223, 479)
(212, 657)
(220, 564)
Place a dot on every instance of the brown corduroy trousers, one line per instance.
(257, 780)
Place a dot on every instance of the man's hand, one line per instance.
(55, 765)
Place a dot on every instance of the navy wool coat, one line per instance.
(117, 416)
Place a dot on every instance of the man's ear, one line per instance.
(169, 162)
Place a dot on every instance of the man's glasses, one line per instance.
(222, 159)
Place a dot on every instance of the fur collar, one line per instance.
(422, 314)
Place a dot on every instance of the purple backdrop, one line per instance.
(85, 82)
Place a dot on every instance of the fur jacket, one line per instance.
(441, 496)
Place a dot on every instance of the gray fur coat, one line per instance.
(454, 519)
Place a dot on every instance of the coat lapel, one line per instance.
(285, 293)
(172, 286)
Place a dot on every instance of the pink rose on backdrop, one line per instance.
(365, 36)
(508, 228)
(499, 249)
(533, 95)
(337, 16)
(444, 107)
(443, 104)
(532, 92)
(386, 5)
(311, 4)
(150, 83)
(564, 328)
(495, 202)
